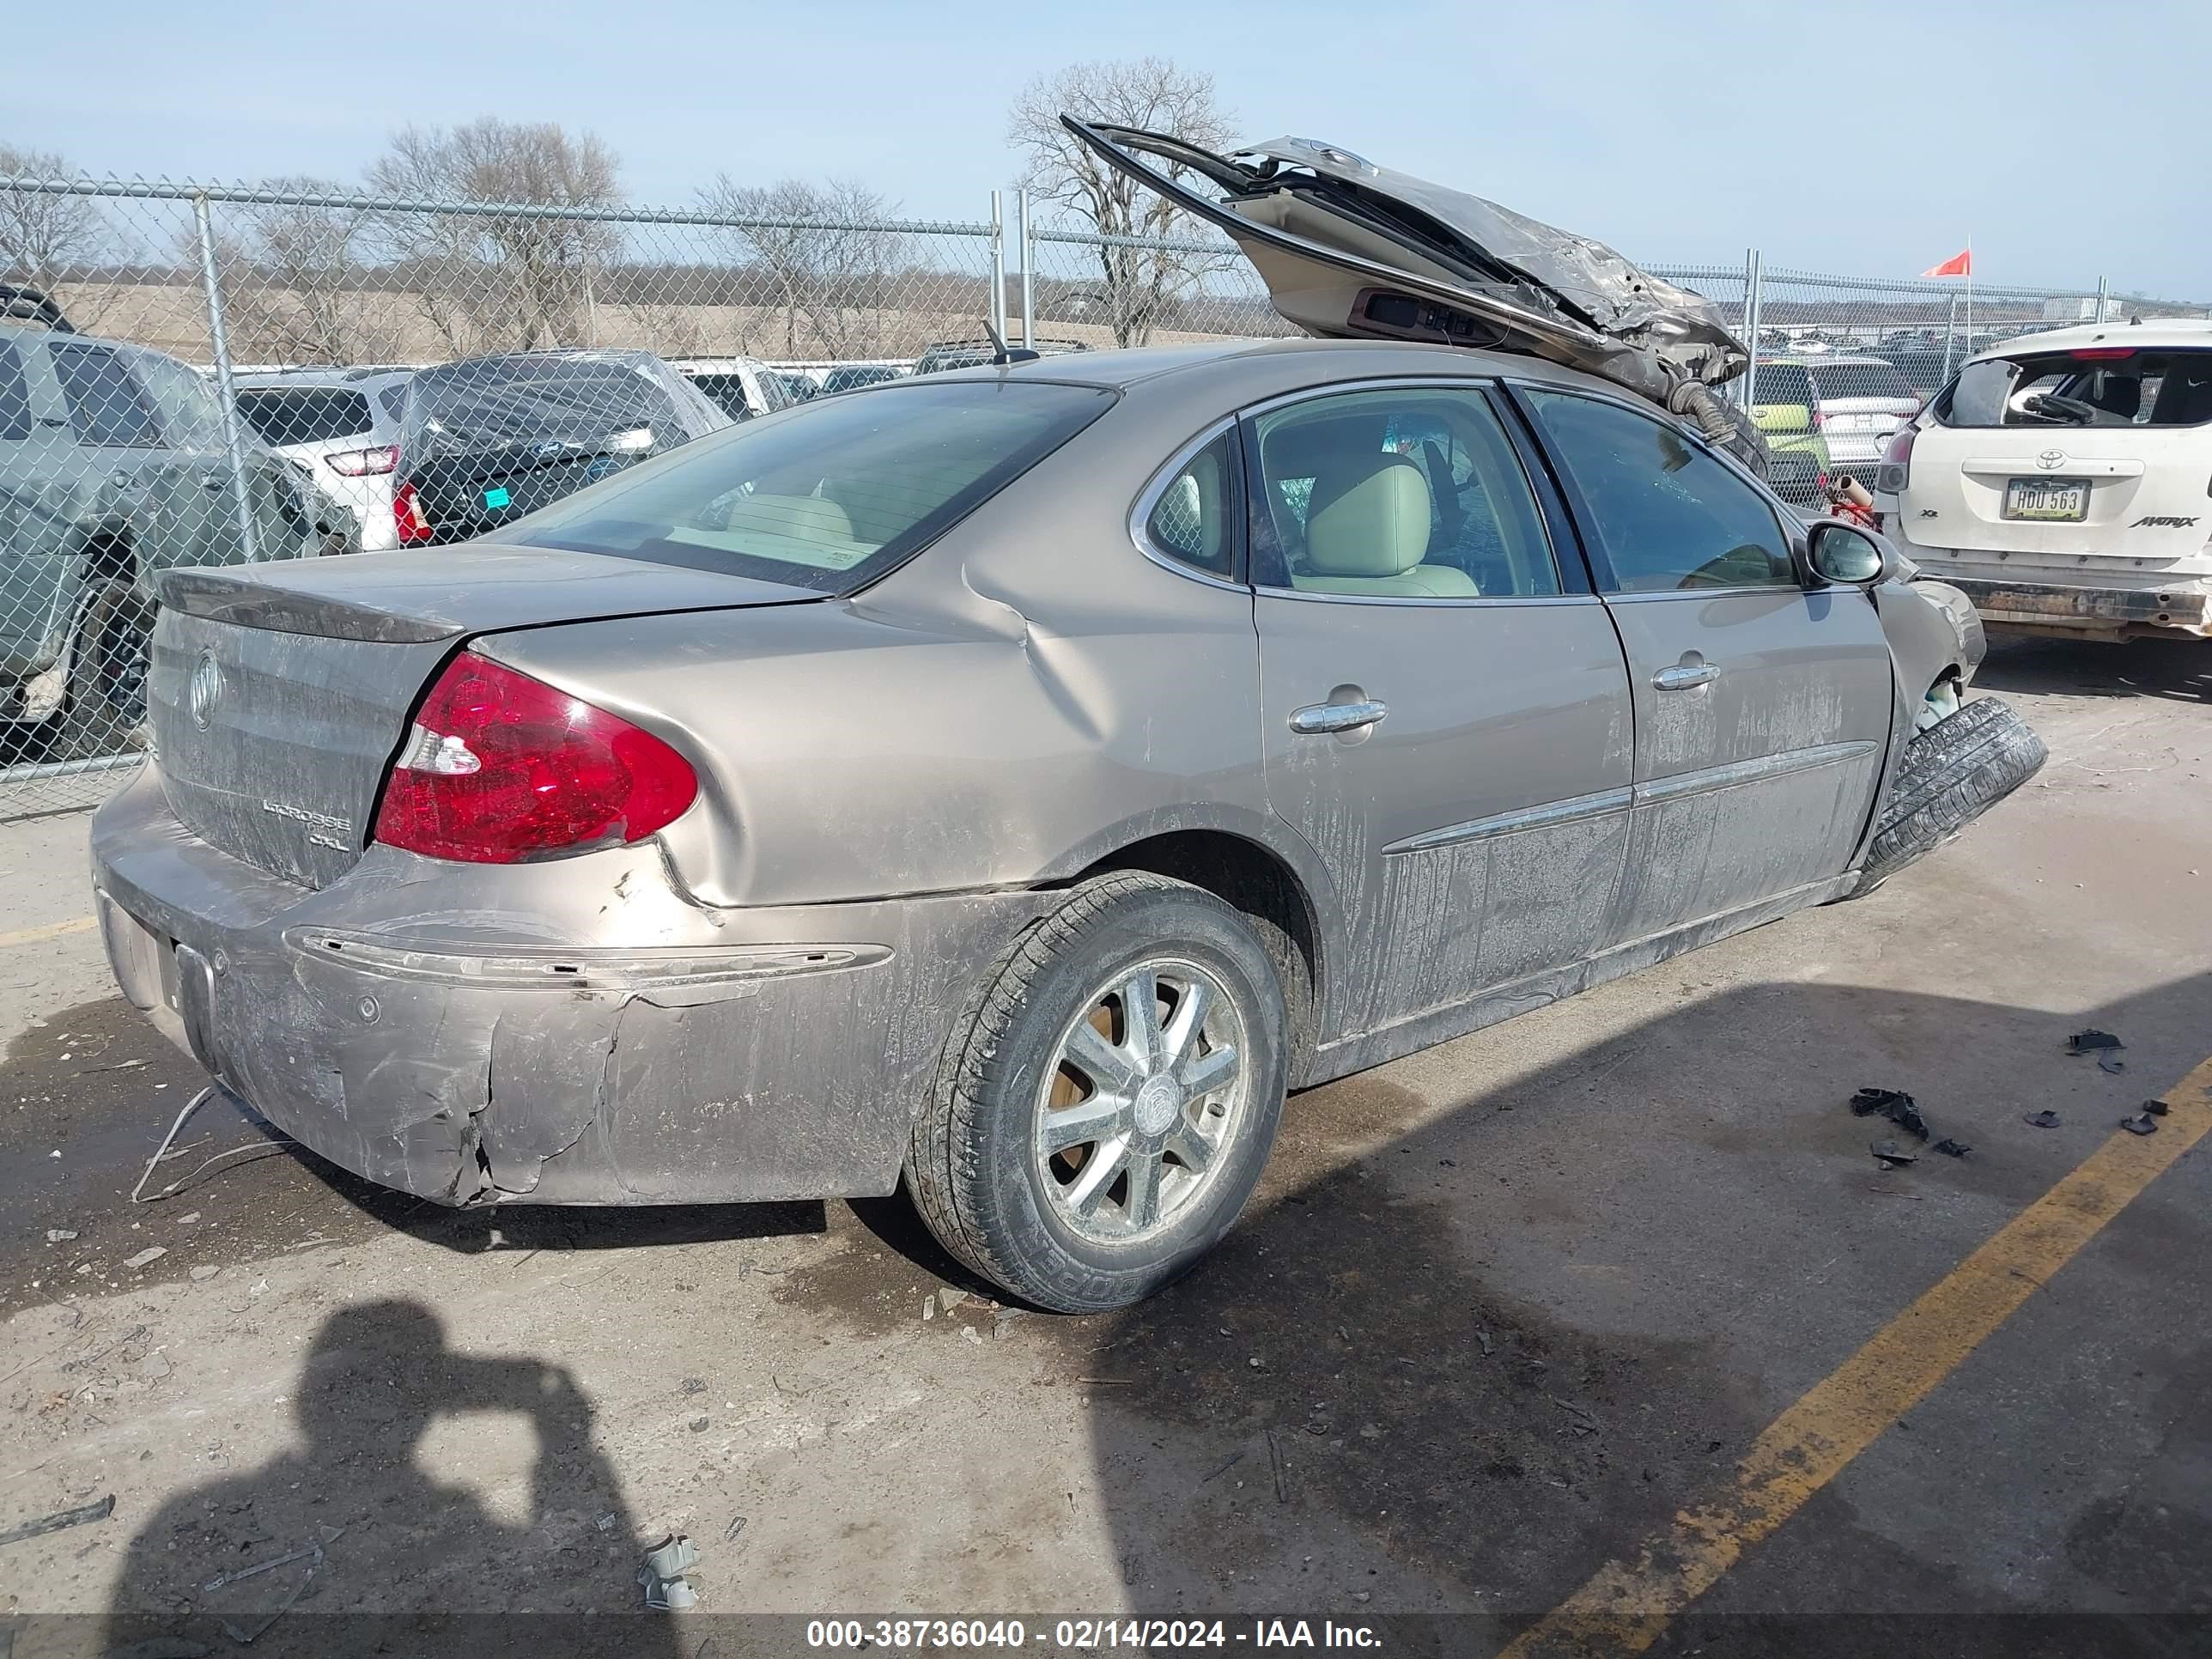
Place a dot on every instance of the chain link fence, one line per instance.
(202, 375)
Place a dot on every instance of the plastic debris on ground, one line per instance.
(2156, 1108)
(60, 1520)
(2143, 1125)
(666, 1589)
(2088, 1042)
(1892, 1155)
(2042, 1120)
(1895, 1105)
(1951, 1148)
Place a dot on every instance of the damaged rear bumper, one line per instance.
(436, 1028)
(2181, 610)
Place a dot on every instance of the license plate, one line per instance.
(2058, 499)
(496, 498)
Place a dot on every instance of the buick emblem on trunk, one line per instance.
(2051, 459)
(206, 689)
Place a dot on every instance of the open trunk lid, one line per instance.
(1349, 249)
(279, 694)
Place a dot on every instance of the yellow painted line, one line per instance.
(51, 930)
(1628, 1603)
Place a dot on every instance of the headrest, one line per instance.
(1369, 516)
(1307, 448)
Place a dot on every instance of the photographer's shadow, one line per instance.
(390, 1556)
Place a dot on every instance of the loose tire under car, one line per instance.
(1948, 776)
(1108, 1098)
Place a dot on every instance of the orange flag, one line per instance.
(1958, 264)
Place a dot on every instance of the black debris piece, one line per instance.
(2042, 1120)
(1891, 1155)
(2156, 1108)
(2088, 1043)
(1953, 1148)
(60, 1520)
(1893, 1104)
(2144, 1124)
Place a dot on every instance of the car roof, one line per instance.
(715, 365)
(1824, 360)
(351, 379)
(2151, 333)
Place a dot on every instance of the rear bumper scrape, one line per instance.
(505, 1069)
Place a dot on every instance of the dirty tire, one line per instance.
(970, 1166)
(1951, 774)
(105, 712)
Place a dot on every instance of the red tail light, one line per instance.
(359, 463)
(501, 769)
(408, 517)
(1895, 471)
(1819, 419)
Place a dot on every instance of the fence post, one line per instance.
(1028, 274)
(2104, 297)
(1753, 274)
(226, 388)
(1950, 335)
(998, 263)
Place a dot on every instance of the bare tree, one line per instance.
(47, 238)
(296, 282)
(522, 280)
(1150, 93)
(824, 251)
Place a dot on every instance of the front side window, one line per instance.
(1670, 516)
(830, 497)
(1193, 519)
(106, 406)
(1414, 492)
(187, 405)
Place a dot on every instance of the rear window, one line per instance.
(1782, 384)
(305, 414)
(1841, 381)
(831, 495)
(2061, 389)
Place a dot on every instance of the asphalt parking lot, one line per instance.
(1545, 1327)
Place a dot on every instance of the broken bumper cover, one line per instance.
(447, 1052)
(2184, 607)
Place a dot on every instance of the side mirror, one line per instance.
(1844, 556)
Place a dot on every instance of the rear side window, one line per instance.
(305, 414)
(832, 495)
(15, 395)
(106, 406)
(1192, 520)
(1837, 381)
(2077, 388)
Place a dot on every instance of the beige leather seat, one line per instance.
(1367, 532)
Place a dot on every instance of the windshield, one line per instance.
(830, 494)
(2093, 386)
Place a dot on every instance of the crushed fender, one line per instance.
(1893, 1104)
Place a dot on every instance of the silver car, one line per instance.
(1012, 782)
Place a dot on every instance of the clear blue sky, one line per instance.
(2067, 140)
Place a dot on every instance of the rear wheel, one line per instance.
(1108, 1098)
(106, 713)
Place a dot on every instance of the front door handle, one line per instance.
(1338, 716)
(1683, 675)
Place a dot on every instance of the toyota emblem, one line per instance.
(2051, 459)
(206, 689)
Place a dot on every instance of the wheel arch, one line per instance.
(1257, 880)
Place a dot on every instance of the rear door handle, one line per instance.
(1683, 675)
(1338, 716)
